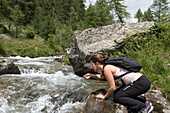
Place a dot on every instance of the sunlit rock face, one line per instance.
(102, 40)
(7, 67)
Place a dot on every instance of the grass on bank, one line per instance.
(152, 51)
(28, 47)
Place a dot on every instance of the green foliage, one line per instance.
(54, 44)
(158, 66)
(27, 47)
(64, 34)
(5, 10)
(66, 59)
(2, 52)
(3, 29)
(48, 27)
(152, 51)
(160, 8)
(103, 10)
(139, 15)
(30, 32)
(73, 18)
(92, 19)
(119, 9)
(148, 15)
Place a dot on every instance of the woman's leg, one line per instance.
(127, 95)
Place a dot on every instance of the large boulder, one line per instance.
(7, 67)
(102, 40)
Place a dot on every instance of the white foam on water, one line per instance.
(41, 103)
(4, 107)
(31, 63)
(31, 71)
(43, 80)
(47, 59)
(68, 80)
(68, 107)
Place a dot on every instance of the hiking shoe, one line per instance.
(148, 109)
(148, 103)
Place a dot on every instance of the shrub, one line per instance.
(30, 32)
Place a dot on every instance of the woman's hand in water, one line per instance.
(87, 76)
(100, 96)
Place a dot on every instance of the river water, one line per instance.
(44, 86)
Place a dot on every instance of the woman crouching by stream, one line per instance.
(135, 84)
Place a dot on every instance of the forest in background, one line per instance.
(55, 21)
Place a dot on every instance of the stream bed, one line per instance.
(44, 86)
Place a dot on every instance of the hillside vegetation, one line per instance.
(152, 51)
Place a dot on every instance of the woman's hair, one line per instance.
(99, 58)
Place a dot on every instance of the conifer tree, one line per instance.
(73, 18)
(103, 10)
(17, 17)
(160, 8)
(92, 19)
(119, 9)
(139, 15)
(4, 10)
(148, 15)
(48, 27)
(79, 8)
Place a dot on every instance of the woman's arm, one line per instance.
(109, 72)
(95, 76)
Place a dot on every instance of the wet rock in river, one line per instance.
(7, 67)
(59, 59)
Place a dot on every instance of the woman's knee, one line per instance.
(116, 98)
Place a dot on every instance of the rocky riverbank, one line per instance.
(94, 105)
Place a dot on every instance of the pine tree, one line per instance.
(103, 10)
(17, 17)
(79, 8)
(64, 34)
(139, 15)
(73, 18)
(58, 10)
(24, 7)
(148, 15)
(48, 27)
(160, 8)
(119, 9)
(92, 19)
(28, 9)
(4, 10)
